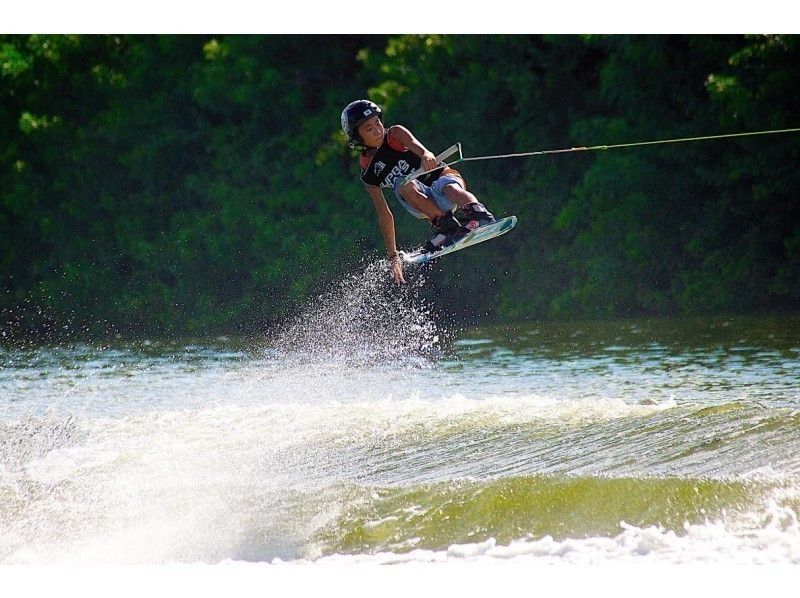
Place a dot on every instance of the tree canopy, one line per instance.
(201, 184)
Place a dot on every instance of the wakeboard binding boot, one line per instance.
(449, 230)
(473, 215)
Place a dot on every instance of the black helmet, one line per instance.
(354, 115)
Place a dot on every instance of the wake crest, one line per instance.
(364, 319)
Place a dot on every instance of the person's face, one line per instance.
(372, 131)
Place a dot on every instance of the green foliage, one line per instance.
(193, 184)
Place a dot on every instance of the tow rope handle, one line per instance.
(440, 161)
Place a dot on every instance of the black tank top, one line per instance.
(387, 164)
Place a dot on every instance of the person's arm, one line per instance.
(404, 136)
(386, 222)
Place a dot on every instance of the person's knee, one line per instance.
(451, 189)
(454, 191)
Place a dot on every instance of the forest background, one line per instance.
(197, 184)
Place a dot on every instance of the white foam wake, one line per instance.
(709, 543)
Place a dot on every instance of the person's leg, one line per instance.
(456, 193)
(446, 194)
(414, 196)
(419, 199)
(470, 213)
(452, 210)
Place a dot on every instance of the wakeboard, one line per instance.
(478, 235)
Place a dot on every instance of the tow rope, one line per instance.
(456, 148)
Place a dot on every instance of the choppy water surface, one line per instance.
(347, 438)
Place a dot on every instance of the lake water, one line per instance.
(367, 431)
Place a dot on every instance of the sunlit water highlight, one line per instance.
(367, 431)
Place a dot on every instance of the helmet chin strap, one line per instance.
(356, 145)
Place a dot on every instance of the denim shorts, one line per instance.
(433, 192)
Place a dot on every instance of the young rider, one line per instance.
(388, 155)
